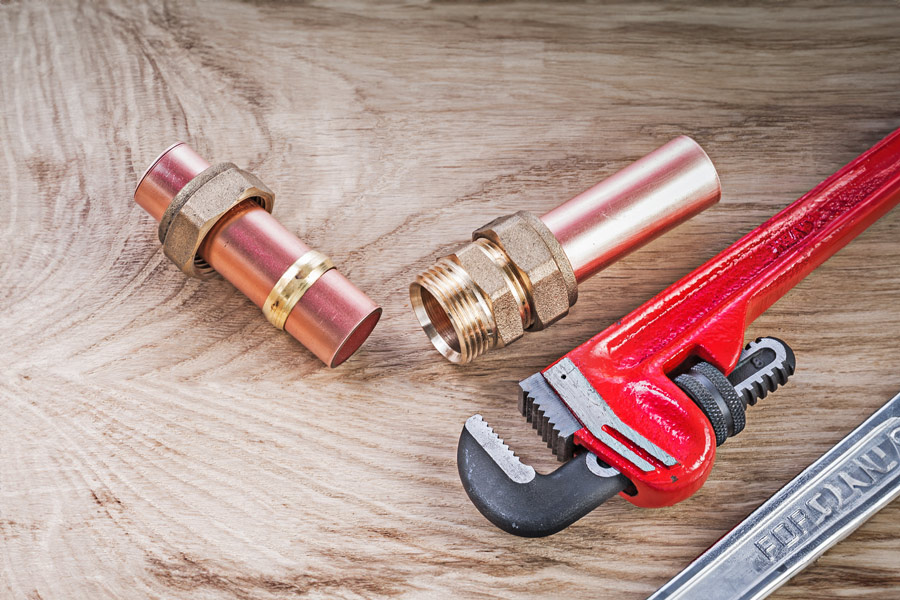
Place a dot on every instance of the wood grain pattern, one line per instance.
(160, 439)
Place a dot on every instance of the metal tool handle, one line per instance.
(739, 284)
(821, 506)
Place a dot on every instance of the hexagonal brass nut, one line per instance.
(544, 268)
(493, 283)
(199, 205)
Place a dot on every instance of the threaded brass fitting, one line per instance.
(199, 206)
(513, 277)
(521, 273)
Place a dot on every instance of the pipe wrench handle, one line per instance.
(712, 306)
(705, 315)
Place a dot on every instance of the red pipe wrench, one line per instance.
(640, 408)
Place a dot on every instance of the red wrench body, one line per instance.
(705, 315)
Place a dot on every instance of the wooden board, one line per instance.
(160, 439)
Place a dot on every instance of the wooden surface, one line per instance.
(160, 439)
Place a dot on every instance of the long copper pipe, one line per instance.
(635, 205)
(252, 250)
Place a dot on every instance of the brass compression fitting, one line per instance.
(521, 273)
(215, 218)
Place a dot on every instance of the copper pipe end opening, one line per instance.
(356, 338)
(333, 318)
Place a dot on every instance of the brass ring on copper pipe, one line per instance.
(295, 281)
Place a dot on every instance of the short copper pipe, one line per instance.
(252, 250)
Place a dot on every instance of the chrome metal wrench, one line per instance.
(818, 508)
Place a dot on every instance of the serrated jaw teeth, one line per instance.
(547, 414)
(499, 452)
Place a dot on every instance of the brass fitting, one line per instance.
(521, 272)
(199, 205)
(513, 277)
(538, 263)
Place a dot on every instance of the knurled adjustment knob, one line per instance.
(764, 365)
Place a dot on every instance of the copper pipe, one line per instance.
(521, 273)
(252, 250)
(165, 177)
(635, 205)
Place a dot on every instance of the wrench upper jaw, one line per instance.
(517, 499)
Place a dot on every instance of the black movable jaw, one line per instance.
(518, 500)
(521, 501)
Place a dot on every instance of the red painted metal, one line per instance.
(705, 314)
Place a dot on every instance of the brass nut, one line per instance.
(485, 266)
(199, 205)
(544, 271)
